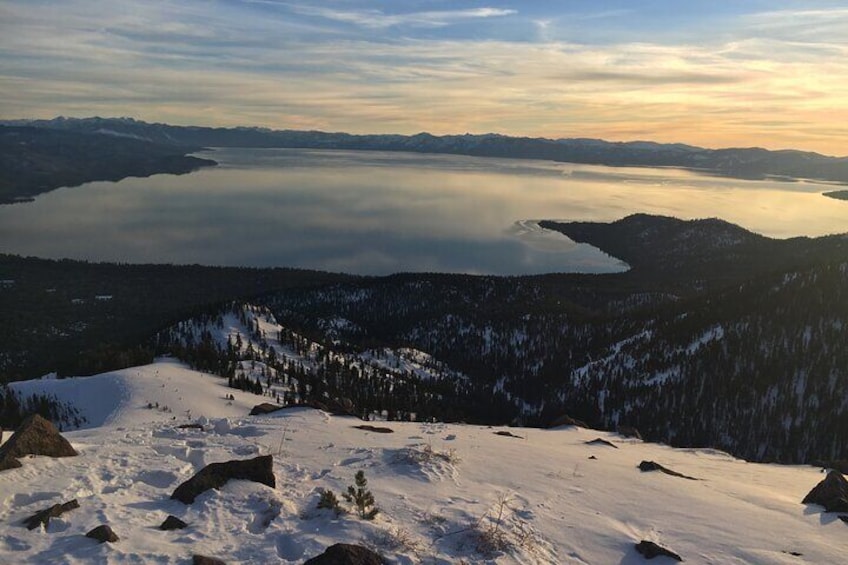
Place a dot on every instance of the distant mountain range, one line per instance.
(745, 163)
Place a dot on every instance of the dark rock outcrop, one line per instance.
(43, 517)
(375, 429)
(647, 466)
(215, 475)
(204, 560)
(172, 523)
(832, 493)
(265, 408)
(650, 550)
(346, 554)
(601, 441)
(35, 436)
(103, 534)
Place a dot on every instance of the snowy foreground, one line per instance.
(447, 493)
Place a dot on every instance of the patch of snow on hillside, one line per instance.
(445, 492)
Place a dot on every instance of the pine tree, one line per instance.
(361, 497)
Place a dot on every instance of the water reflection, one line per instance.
(377, 213)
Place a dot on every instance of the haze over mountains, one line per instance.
(745, 163)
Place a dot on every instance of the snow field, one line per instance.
(447, 493)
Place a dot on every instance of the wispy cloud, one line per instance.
(380, 19)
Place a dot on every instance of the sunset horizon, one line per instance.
(766, 74)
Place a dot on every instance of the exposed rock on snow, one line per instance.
(215, 475)
(204, 560)
(172, 523)
(375, 429)
(650, 550)
(35, 436)
(264, 408)
(647, 466)
(601, 441)
(102, 534)
(506, 433)
(346, 554)
(43, 517)
(832, 493)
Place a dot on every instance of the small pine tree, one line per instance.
(361, 497)
(329, 501)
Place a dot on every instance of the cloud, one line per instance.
(380, 19)
(282, 65)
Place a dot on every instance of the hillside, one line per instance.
(38, 160)
(446, 493)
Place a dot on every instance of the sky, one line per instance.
(717, 73)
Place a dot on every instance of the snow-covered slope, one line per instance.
(444, 491)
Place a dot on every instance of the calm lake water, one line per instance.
(380, 213)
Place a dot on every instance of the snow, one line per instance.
(438, 486)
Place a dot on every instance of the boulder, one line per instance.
(647, 466)
(103, 534)
(215, 475)
(35, 436)
(346, 554)
(43, 517)
(204, 560)
(172, 523)
(650, 550)
(832, 493)
(264, 408)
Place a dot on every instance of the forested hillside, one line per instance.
(716, 337)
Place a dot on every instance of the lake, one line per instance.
(378, 213)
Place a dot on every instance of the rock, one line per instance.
(172, 523)
(43, 517)
(566, 420)
(103, 534)
(506, 433)
(832, 493)
(190, 427)
(204, 560)
(35, 436)
(629, 431)
(215, 475)
(647, 466)
(600, 441)
(376, 429)
(9, 463)
(592, 457)
(264, 408)
(346, 554)
(844, 519)
(650, 550)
